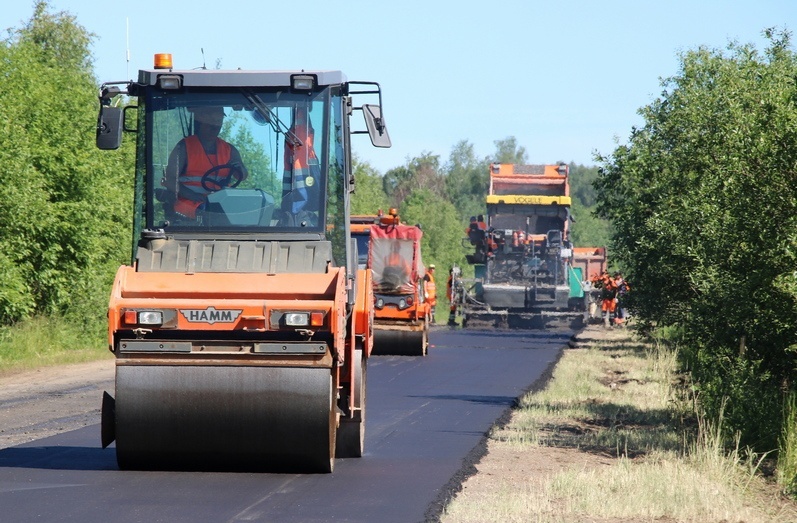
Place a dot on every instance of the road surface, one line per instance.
(426, 422)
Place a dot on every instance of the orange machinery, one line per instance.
(527, 273)
(393, 253)
(241, 333)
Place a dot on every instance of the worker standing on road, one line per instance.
(608, 298)
(453, 273)
(430, 290)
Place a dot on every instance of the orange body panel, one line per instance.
(546, 178)
(364, 310)
(254, 295)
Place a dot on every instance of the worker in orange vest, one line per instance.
(201, 163)
(430, 290)
(302, 172)
(608, 297)
(396, 272)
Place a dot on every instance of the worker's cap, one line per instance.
(431, 266)
(208, 115)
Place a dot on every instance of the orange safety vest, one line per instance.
(394, 259)
(301, 162)
(430, 287)
(198, 162)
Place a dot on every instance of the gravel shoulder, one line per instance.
(44, 402)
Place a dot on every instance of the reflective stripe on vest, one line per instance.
(301, 167)
(198, 162)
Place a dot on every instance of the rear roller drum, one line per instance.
(350, 439)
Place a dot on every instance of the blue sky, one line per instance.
(564, 78)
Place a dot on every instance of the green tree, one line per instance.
(467, 179)
(421, 172)
(508, 151)
(369, 195)
(64, 218)
(442, 231)
(588, 229)
(703, 200)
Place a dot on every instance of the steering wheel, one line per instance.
(213, 181)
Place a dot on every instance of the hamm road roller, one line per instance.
(243, 325)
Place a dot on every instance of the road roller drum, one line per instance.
(224, 417)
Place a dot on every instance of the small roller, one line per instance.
(400, 341)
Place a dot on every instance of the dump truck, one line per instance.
(242, 327)
(402, 312)
(523, 259)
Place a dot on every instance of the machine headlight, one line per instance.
(150, 317)
(297, 319)
(134, 317)
(402, 303)
(380, 303)
(170, 81)
(303, 82)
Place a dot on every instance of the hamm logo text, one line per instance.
(210, 315)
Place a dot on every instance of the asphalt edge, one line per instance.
(435, 509)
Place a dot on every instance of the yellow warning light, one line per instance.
(163, 60)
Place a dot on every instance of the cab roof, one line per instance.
(239, 78)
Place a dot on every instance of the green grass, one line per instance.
(48, 341)
(787, 457)
(620, 403)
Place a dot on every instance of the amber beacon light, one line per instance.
(163, 61)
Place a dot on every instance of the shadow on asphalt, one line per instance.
(59, 458)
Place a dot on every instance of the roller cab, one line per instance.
(243, 324)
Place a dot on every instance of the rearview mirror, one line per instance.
(109, 128)
(377, 129)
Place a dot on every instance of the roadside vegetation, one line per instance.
(617, 436)
(703, 202)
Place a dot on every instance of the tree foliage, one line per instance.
(62, 203)
(703, 202)
(588, 229)
(467, 178)
(369, 195)
(441, 225)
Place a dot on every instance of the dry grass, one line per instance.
(605, 442)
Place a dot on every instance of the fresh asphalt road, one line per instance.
(426, 417)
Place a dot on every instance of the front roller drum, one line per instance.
(400, 342)
(187, 417)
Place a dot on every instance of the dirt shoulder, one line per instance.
(512, 482)
(44, 402)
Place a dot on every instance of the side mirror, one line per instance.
(377, 129)
(109, 127)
